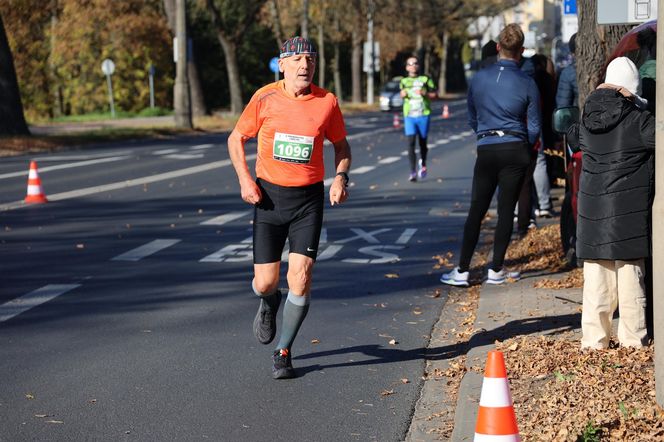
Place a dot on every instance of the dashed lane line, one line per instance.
(146, 250)
(228, 217)
(37, 297)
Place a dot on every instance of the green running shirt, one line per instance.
(415, 104)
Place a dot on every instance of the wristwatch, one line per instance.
(345, 177)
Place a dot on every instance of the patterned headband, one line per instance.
(297, 45)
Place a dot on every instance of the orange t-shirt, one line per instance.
(291, 132)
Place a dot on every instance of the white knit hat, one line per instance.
(622, 72)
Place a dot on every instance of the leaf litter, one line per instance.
(560, 392)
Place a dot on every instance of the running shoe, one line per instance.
(543, 213)
(413, 177)
(265, 322)
(455, 277)
(421, 171)
(282, 367)
(501, 276)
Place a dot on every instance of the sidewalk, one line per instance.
(504, 311)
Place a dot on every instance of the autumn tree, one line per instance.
(594, 44)
(231, 19)
(198, 108)
(12, 120)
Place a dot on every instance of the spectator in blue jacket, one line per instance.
(568, 91)
(504, 111)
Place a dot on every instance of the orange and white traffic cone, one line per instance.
(395, 121)
(496, 420)
(35, 192)
(446, 112)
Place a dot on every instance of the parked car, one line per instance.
(563, 118)
(390, 95)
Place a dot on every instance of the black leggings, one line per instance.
(411, 151)
(497, 165)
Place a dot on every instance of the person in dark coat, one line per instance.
(617, 138)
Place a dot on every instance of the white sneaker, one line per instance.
(500, 276)
(421, 170)
(543, 213)
(455, 277)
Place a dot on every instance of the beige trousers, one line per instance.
(609, 284)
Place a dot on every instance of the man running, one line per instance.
(416, 91)
(291, 118)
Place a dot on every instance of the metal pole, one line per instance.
(182, 100)
(151, 79)
(657, 213)
(109, 82)
(370, 74)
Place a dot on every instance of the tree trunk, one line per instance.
(12, 120)
(305, 19)
(594, 44)
(54, 81)
(233, 71)
(181, 96)
(277, 30)
(336, 73)
(321, 53)
(356, 66)
(198, 108)
(442, 76)
(196, 96)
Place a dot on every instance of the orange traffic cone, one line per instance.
(395, 121)
(446, 112)
(35, 192)
(496, 420)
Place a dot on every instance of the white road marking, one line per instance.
(455, 137)
(328, 182)
(165, 151)
(389, 160)
(128, 183)
(443, 141)
(406, 236)
(404, 153)
(361, 234)
(363, 169)
(30, 300)
(80, 157)
(65, 166)
(146, 250)
(202, 146)
(226, 218)
(185, 156)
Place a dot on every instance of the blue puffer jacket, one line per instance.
(568, 90)
(502, 97)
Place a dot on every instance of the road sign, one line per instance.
(274, 64)
(615, 12)
(569, 7)
(108, 67)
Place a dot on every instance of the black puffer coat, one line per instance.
(617, 183)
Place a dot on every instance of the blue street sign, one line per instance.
(569, 7)
(274, 64)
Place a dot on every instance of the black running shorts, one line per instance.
(295, 213)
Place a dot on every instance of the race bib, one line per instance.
(292, 148)
(416, 107)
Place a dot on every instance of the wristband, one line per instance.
(344, 175)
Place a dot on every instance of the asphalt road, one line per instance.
(126, 309)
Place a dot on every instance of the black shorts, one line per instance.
(295, 213)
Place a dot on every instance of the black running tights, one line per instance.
(497, 165)
(411, 151)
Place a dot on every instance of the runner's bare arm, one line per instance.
(248, 188)
(342, 160)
